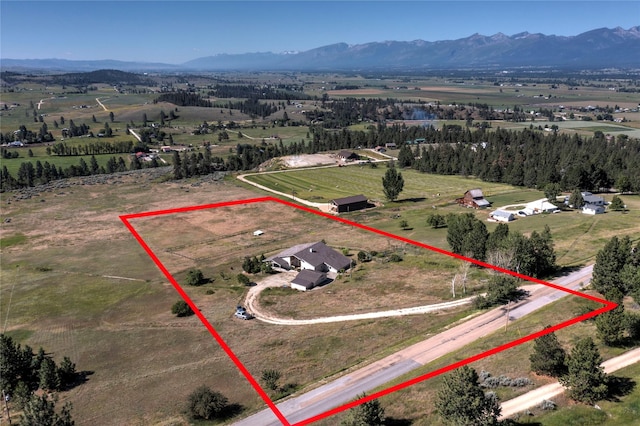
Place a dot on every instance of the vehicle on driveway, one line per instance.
(242, 313)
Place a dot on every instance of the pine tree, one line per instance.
(610, 326)
(461, 400)
(585, 380)
(548, 357)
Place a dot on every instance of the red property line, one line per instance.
(126, 220)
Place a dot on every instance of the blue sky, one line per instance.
(178, 31)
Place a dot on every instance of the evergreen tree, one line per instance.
(40, 411)
(610, 261)
(610, 326)
(49, 378)
(392, 183)
(370, 413)
(585, 380)
(616, 203)
(576, 200)
(467, 235)
(462, 402)
(548, 357)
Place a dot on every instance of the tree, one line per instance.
(392, 183)
(576, 200)
(195, 277)
(461, 401)
(585, 380)
(405, 157)
(270, 378)
(610, 261)
(243, 279)
(49, 378)
(66, 372)
(436, 221)
(548, 357)
(40, 411)
(112, 117)
(467, 235)
(181, 309)
(616, 203)
(610, 326)
(207, 404)
(551, 191)
(370, 413)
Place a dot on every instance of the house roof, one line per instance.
(315, 254)
(347, 154)
(502, 213)
(475, 193)
(308, 278)
(349, 200)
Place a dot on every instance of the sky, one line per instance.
(174, 32)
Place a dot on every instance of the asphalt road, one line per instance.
(346, 388)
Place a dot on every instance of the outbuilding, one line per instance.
(502, 216)
(349, 204)
(307, 279)
(473, 198)
(592, 209)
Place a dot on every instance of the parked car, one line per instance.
(242, 313)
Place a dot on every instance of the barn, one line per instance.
(473, 198)
(349, 204)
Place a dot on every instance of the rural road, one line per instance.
(346, 388)
(536, 396)
(101, 104)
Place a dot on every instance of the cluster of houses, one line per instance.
(473, 198)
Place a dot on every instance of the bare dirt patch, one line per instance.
(309, 160)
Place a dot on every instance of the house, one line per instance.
(539, 206)
(345, 155)
(349, 204)
(312, 256)
(307, 279)
(390, 145)
(592, 209)
(589, 198)
(502, 216)
(473, 198)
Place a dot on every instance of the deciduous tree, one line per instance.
(392, 183)
(207, 404)
(370, 413)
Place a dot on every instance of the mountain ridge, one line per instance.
(597, 48)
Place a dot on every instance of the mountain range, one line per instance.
(597, 49)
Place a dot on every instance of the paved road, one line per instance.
(536, 396)
(346, 388)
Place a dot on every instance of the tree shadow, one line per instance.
(391, 421)
(563, 271)
(79, 378)
(619, 387)
(411, 200)
(231, 411)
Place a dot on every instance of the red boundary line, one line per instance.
(128, 217)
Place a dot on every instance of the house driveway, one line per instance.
(283, 279)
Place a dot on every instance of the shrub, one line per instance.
(195, 277)
(207, 404)
(181, 309)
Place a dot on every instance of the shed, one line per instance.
(502, 216)
(540, 206)
(307, 279)
(258, 233)
(349, 204)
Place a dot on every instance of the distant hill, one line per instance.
(596, 49)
